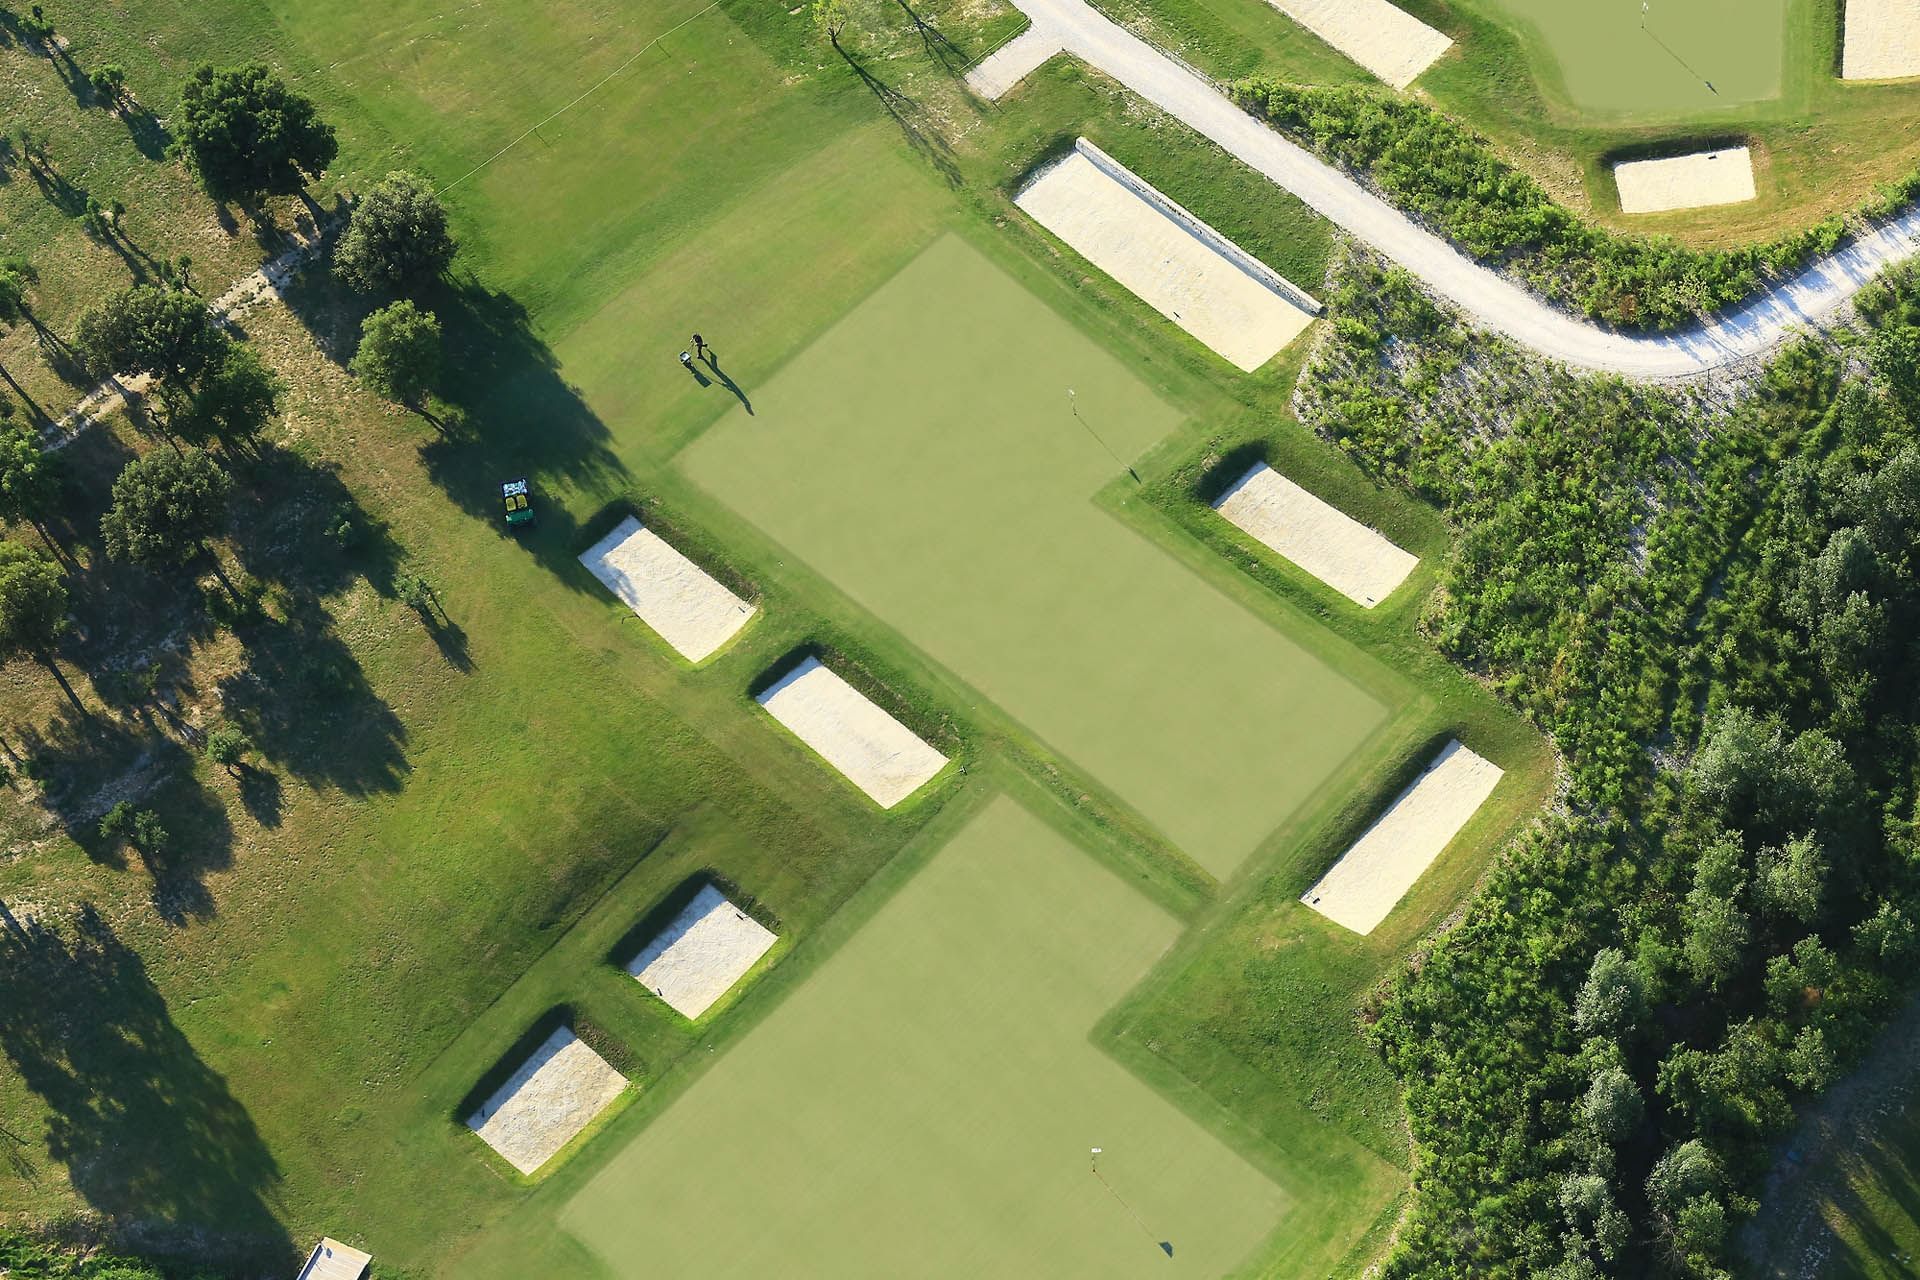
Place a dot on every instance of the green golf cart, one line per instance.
(518, 504)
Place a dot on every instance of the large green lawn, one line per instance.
(925, 1103)
(455, 850)
(935, 455)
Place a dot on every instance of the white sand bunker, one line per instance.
(1391, 43)
(1882, 40)
(1177, 264)
(669, 592)
(553, 1096)
(1332, 546)
(877, 753)
(1013, 61)
(698, 957)
(1390, 855)
(1685, 182)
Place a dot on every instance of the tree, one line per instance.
(1612, 1106)
(29, 475)
(1686, 1171)
(399, 355)
(1614, 997)
(234, 401)
(248, 135)
(109, 83)
(830, 19)
(165, 507)
(228, 747)
(15, 275)
(398, 234)
(1715, 926)
(33, 609)
(1790, 879)
(167, 333)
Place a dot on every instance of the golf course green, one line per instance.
(935, 455)
(1665, 56)
(925, 1104)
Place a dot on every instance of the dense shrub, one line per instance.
(1449, 178)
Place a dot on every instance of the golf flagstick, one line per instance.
(1165, 1246)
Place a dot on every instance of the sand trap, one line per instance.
(1390, 855)
(669, 592)
(877, 753)
(553, 1096)
(1882, 40)
(1332, 546)
(1013, 62)
(1391, 43)
(1685, 182)
(1174, 262)
(699, 956)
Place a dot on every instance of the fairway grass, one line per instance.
(924, 1103)
(925, 456)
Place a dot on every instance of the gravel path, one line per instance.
(1489, 299)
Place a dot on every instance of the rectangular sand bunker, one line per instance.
(877, 753)
(555, 1094)
(1373, 875)
(669, 592)
(1882, 40)
(1172, 261)
(1332, 546)
(1012, 62)
(1685, 182)
(701, 953)
(1388, 41)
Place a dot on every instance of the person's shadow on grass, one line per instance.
(713, 362)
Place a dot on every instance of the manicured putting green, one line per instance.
(925, 1102)
(926, 456)
(1612, 57)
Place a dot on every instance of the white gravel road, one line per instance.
(1487, 298)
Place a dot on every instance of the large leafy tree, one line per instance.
(398, 234)
(29, 476)
(167, 333)
(165, 507)
(233, 401)
(399, 355)
(249, 135)
(33, 608)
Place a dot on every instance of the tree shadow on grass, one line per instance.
(89, 764)
(908, 115)
(510, 412)
(307, 705)
(151, 1136)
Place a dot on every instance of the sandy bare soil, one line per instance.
(698, 957)
(1685, 182)
(1882, 40)
(555, 1094)
(669, 592)
(1172, 261)
(1373, 875)
(1388, 41)
(1012, 62)
(1332, 546)
(877, 753)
